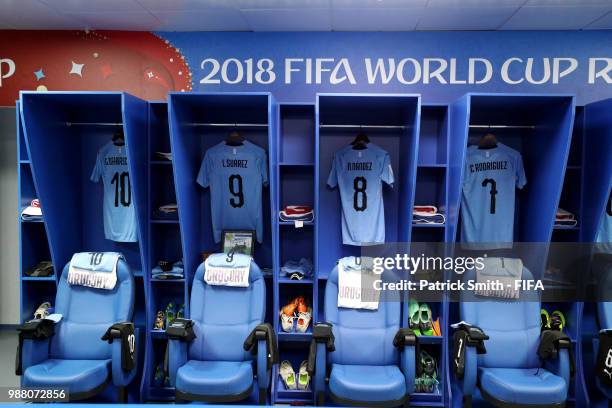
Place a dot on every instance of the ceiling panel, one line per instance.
(557, 3)
(476, 3)
(603, 23)
(379, 4)
(131, 21)
(386, 19)
(28, 14)
(555, 18)
(211, 20)
(282, 4)
(89, 6)
(464, 18)
(288, 19)
(184, 5)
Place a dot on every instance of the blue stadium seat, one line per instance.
(510, 373)
(214, 367)
(77, 358)
(365, 369)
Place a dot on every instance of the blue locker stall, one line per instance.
(294, 178)
(392, 122)
(198, 122)
(63, 133)
(163, 243)
(596, 182)
(540, 127)
(432, 190)
(33, 243)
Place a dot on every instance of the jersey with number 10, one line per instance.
(359, 175)
(487, 202)
(235, 175)
(119, 212)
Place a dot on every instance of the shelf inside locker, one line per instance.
(39, 278)
(292, 224)
(297, 134)
(296, 186)
(428, 225)
(34, 293)
(285, 395)
(433, 136)
(31, 221)
(167, 281)
(25, 161)
(158, 334)
(161, 163)
(425, 397)
(159, 221)
(566, 227)
(286, 281)
(296, 164)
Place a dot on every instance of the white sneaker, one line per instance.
(303, 376)
(286, 322)
(287, 375)
(304, 321)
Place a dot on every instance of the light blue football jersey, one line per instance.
(118, 207)
(604, 231)
(235, 175)
(488, 197)
(359, 175)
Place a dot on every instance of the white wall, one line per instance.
(9, 226)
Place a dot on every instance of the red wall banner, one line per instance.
(139, 63)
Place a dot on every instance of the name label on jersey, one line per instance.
(359, 166)
(492, 165)
(115, 161)
(235, 163)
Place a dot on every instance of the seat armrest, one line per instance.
(262, 342)
(468, 342)
(33, 347)
(556, 350)
(123, 338)
(177, 357)
(322, 342)
(181, 329)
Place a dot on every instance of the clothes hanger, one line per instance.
(234, 139)
(361, 141)
(488, 141)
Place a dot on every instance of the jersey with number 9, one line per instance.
(359, 175)
(119, 212)
(235, 175)
(488, 198)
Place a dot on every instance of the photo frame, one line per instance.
(240, 241)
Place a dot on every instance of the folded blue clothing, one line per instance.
(304, 218)
(96, 261)
(303, 266)
(222, 260)
(176, 271)
(428, 219)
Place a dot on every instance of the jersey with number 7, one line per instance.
(118, 208)
(359, 175)
(235, 175)
(488, 199)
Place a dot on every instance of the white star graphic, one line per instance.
(150, 74)
(76, 69)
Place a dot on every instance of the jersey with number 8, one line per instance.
(359, 175)
(235, 175)
(488, 197)
(119, 212)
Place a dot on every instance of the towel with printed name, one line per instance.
(94, 269)
(227, 270)
(356, 283)
(503, 272)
